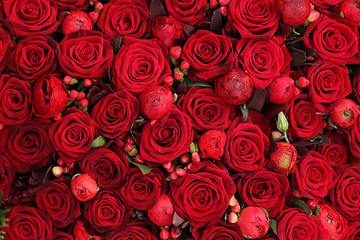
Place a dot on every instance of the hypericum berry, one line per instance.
(178, 75)
(134, 152)
(180, 172)
(312, 204)
(56, 118)
(80, 96)
(73, 94)
(128, 147)
(175, 232)
(168, 81)
(184, 65)
(67, 79)
(87, 82)
(175, 52)
(171, 169)
(224, 2)
(302, 82)
(57, 171)
(95, 81)
(235, 208)
(232, 201)
(138, 159)
(213, 4)
(60, 162)
(296, 193)
(224, 10)
(99, 6)
(195, 157)
(129, 139)
(184, 159)
(188, 167)
(167, 165)
(84, 103)
(94, 16)
(173, 176)
(233, 218)
(164, 234)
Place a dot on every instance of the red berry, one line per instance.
(224, 11)
(312, 204)
(84, 103)
(296, 193)
(60, 162)
(73, 93)
(175, 232)
(173, 176)
(87, 82)
(195, 157)
(80, 96)
(189, 166)
(128, 147)
(213, 4)
(67, 79)
(99, 6)
(95, 81)
(138, 160)
(184, 159)
(94, 16)
(180, 172)
(184, 65)
(178, 75)
(171, 169)
(129, 139)
(224, 2)
(164, 234)
(57, 171)
(56, 118)
(167, 165)
(168, 81)
(235, 208)
(303, 82)
(175, 52)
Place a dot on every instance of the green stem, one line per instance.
(286, 137)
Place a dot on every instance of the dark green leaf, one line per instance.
(297, 202)
(273, 225)
(244, 111)
(198, 84)
(316, 211)
(143, 168)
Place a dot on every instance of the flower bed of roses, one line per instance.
(150, 119)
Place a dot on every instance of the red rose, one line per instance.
(167, 29)
(167, 138)
(257, 19)
(263, 60)
(192, 12)
(133, 231)
(62, 236)
(304, 122)
(72, 134)
(28, 223)
(336, 152)
(209, 55)
(5, 48)
(265, 189)
(139, 64)
(246, 147)
(216, 229)
(116, 112)
(206, 110)
(354, 139)
(125, 18)
(69, 5)
(332, 39)
(326, 3)
(203, 194)
(106, 211)
(329, 83)
(85, 54)
(333, 221)
(27, 147)
(15, 100)
(29, 17)
(55, 198)
(354, 231)
(141, 190)
(7, 176)
(49, 97)
(294, 223)
(344, 194)
(313, 176)
(109, 168)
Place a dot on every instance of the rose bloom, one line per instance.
(256, 19)
(134, 231)
(27, 147)
(5, 48)
(354, 231)
(203, 194)
(7, 176)
(209, 55)
(326, 3)
(140, 64)
(125, 18)
(329, 82)
(29, 17)
(336, 152)
(58, 235)
(85, 54)
(246, 147)
(206, 110)
(354, 138)
(15, 100)
(70, 5)
(192, 12)
(28, 223)
(216, 229)
(55, 198)
(263, 60)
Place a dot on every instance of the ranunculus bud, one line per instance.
(282, 89)
(234, 87)
(294, 12)
(284, 159)
(282, 122)
(167, 29)
(49, 97)
(79, 231)
(253, 222)
(156, 101)
(161, 212)
(333, 221)
(83, 187)
(76, 21)
(344, 113)
(212, 144)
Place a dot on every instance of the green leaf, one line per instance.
(297, 202)
(132, 126)
(273, 225)
(316, 211)
(143, 168)
(244, 111)
(198, 84)
(241, 203)
(98, 142)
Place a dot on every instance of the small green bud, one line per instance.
(282, 123)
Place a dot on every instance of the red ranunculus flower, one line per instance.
(167, 29)
(333, 221)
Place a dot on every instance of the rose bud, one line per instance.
(49, 97)
(282, 89)
(234, 87)
(156, 101)
(79, 231)
(344, 113)
(351, 10)
(161, 212)
(253, 222)
(83, 187)
(76, 21)
(333, 221)
(167, 29)
(294, 12)
(284, 159)
(212, 144)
